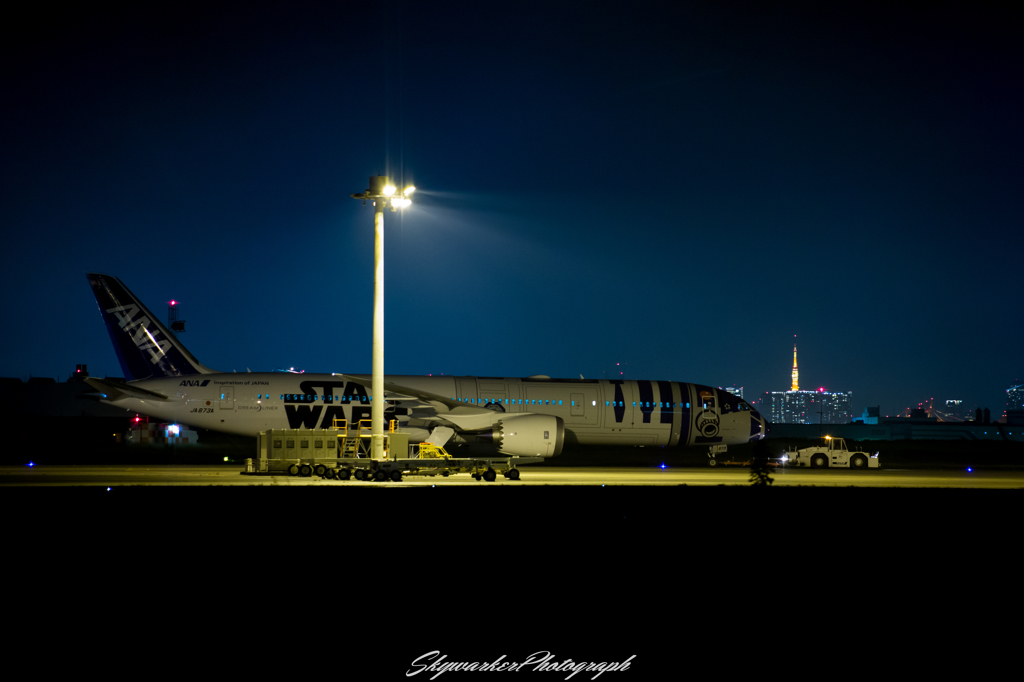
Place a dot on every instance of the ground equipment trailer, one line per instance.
(341, 453)
(832, 453)
(718, 458)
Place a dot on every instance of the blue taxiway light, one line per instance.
(969, 469)
(31, 464)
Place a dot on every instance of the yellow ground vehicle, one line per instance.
(832, 453)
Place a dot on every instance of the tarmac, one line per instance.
(232, 475)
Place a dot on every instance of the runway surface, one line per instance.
(231, 475)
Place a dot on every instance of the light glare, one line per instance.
(389, 190)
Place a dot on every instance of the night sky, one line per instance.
(679, 188)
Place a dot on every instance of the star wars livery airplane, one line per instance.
(524, 417)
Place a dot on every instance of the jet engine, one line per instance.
(529, 435)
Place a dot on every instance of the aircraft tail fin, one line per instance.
(145, 347)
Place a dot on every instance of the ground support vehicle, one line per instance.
(832, 453)
(341, 453)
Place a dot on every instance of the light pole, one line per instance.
(382, 193)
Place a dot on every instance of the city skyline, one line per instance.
(775, 404)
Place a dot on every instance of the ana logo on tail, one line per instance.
(143, 339)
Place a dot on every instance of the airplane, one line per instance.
(531, 416)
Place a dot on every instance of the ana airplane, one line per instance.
(534, 416)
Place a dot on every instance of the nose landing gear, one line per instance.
(715, 453)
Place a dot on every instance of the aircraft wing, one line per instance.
(112, 390)
(422, 396)
(463, 416)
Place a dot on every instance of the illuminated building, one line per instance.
(806, 407)
(1014, 413)
(952, 411)
(1015, 397)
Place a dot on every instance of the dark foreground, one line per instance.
(840, 501)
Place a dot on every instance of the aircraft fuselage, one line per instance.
(617, 412)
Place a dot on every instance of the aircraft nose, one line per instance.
(758, 427)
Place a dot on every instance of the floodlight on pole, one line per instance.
(380, 192)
